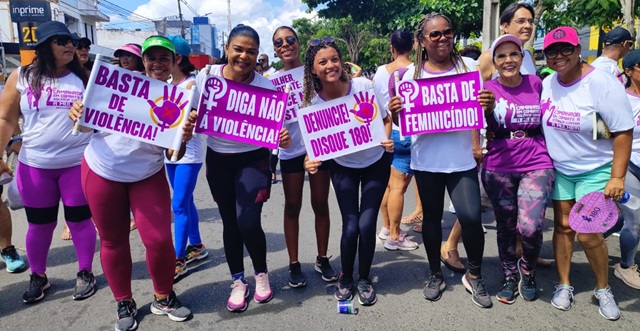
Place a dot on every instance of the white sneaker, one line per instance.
(402, 244)
(451, 208)
(630, 276)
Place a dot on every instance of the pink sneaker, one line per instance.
(403, 244)
(263, 291)
(237, 300)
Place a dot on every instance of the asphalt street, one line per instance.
(398, 276)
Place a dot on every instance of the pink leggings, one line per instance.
(150, 203)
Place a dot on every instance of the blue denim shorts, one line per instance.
(401, 153)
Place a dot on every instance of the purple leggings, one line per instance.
(41, 191)
(519, 201)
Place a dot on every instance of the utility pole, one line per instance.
(228, 16)
(490, 23)
(181, 22)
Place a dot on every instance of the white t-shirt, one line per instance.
(47, 142)
(381, 84)
(195, 146)
(634, 99)
(297, 144)
(222, 145)
(610, 66)
(568, 116)
(445, 152)
(364, 158)
(270, 71)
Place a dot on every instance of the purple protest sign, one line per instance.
(241, 112)
(294, 78)
(441, 104)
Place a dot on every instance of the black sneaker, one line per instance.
(478, 290)
(126, 315)
(324, 267)
(345, 288)
(366, 293)
(85, 285)
(296, 277)
(509, 291)
(171, 307)
(37, 285)
(435, 285)
(527, 285)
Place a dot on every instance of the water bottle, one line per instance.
(630, 201)
(12, 160)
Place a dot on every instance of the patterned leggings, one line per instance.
(519, 202)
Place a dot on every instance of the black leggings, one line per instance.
(464, 190)
(359, 216)
(240, 184)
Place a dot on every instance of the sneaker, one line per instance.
(345, 289)
(435, 285)
(85, 285)
(451, 208)
(181, 268)
(478, 290)
(630, 276)
(126, 315)
(13, 260)
(608, 307)
(384, 233)
(366, 293)
(296, 277)
(509, 291)
(263, 291)
(324, 267)
(171, 307)
(527, 286)
(239, 293)
(195, 252)
(37, 285)
(402, 244)
(562, 297)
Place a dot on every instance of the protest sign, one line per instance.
(342, 126)
(241, 112)
(294, 77)
(441, 104)
(126, 103)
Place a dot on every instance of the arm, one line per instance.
(621, 153)
(388, 143)
(9, 113)
(16, 142)
(187, 134)
(486, 65)
(358, 72)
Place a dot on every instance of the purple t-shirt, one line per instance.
(517, 108)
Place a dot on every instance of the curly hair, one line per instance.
(311, 83)
(422, 54)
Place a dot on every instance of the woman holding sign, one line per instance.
(239, 176)
(49, 162)
(571, 98)
(287, 47)
(326, 77)
(120, 174)
(436, 167)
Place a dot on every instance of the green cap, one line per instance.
(158, 41)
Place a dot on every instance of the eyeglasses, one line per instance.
(523, 21)
(81, 47)
(501, 58)
(316, 42)
(437, 35)
(64, 41)
(126, 56)
(565, 51)
(289, 39)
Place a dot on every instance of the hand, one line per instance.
(490, 135)
(14, 148)
(5, 168)
(614, 188)
(487, 100)
(395, 104)
(387, 145)
(76, 111)
(187, 128)
(477, 154)
(285, 138)
(311, 165)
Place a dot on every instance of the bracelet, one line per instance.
(16, 140)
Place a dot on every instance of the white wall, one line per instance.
(115, 38)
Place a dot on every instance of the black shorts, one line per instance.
(296, 165)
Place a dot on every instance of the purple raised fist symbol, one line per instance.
(409, 91)
(169, 109)
(214, 88)
(364, 108)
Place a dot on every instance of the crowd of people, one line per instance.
(531, 159)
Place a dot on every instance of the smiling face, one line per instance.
(327, 65)
(63, 54)
(434, 39)
(285, 51)
(520, 25)
(567, 57)
(507, 59)
(242, 54)
(158, 63)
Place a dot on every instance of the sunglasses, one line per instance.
(316, 42)
(64, 41)
(437, 35)
(565, 51)
(289, 39)
(81, 47)
(126, 56)
(501, 58)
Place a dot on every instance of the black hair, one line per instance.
(311, 83)
(402, 40)
(510, 11)
(471, 51)
(285, 28)
(421, 53)
(186, 67)
(139, 65)
(242, 30)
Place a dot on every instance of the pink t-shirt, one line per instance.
(517, 108)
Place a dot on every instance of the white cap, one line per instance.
(503, 39)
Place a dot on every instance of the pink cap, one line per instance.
(131, 48)
(561, 34)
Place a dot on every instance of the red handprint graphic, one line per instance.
(170, 110)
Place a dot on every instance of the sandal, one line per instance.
(66, 233)
(412, 219)
(451, 260)
(132, 225)
(417, 228)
